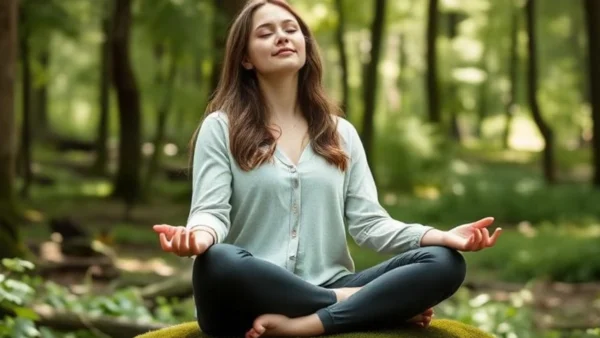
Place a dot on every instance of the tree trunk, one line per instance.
(454, 101)
(101, 161)
(544, 128)
(25, 156)
(40, 93)
(168, 84)
(402, 69)
(371, 79)
(10, 242)
(341, 45)
(513, 73)
(127, 183)
(593, 27)
(225, 12)
(431, 52)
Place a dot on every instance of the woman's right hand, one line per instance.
(183, 242)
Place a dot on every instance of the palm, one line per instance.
(472, 236)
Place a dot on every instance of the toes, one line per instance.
(416, 319)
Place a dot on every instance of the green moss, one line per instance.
(441, 328)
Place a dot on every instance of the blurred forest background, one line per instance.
(467, 108)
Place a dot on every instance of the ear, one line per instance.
(247, 64)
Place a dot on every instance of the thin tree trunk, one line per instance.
(433, 97)
(225, 12)
(544, 128)
(454, 101)
(482, 105)
(513, 66)
(101, 161)
(403, 66)
(341, 45)
(10, 241)
(593, 27)
(127, 183)
(42, 127)
(371, 79)
(25, 156)
(161, 123)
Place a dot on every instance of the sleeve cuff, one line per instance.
(422, 231)
(210, 221)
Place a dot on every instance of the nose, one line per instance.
(282, 37)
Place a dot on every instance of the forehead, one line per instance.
(270, 13)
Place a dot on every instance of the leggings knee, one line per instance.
(219, 263)
(452, 265)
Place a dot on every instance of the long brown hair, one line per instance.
(238, 95)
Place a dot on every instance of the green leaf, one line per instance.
(17, 264)
(25, 328)
(26, 313)
(19, 286)
(4, 294)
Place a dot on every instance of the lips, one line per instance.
(284, 50)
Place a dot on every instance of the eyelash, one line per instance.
(290, 31)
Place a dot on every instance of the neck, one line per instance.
(281, 96)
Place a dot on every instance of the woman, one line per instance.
(276, 176)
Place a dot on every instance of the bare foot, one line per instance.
(422, 320)
(344, 293)
(279, 325)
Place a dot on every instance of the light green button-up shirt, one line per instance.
(294, 216)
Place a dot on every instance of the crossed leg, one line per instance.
(236, 293)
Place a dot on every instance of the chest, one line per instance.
(292, 143)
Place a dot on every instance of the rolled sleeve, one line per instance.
(211, 187)
(368, 222)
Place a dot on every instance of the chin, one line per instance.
(283, 70)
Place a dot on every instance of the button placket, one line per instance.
(295, 216)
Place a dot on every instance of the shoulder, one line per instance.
(347, 131)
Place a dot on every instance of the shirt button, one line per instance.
(293, 169)
(294, 233)
(292, 257)
(295, 183)
(294, 209)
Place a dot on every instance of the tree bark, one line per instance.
(513, 73)
(592, 9)
(25, 156)
(127, 182)
(433, 96)
(341, 45)
(101, 161)
(371, 80)
(10, 242)
(544, 128)
(225, 12)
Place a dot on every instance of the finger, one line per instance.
(495, 236)
(485, 240)
(177, 240)
(185, 242)
(164, 243)
(482, 223)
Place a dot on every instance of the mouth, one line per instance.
(284, 51)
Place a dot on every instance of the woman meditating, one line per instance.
(277, 178)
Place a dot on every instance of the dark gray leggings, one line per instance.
(232, 288)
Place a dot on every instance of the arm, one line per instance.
(212, 177)
(368, 222)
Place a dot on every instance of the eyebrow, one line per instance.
(272, 24)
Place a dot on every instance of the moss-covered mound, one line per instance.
(441, 328)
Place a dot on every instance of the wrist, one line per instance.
(434, 237)
(209, 231)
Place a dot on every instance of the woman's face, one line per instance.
(276, 43)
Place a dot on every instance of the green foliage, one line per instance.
(410, 153)
(15, 294)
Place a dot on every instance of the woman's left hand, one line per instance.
(472, 236)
